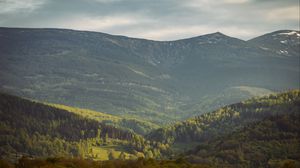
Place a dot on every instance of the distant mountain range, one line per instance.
(157, 81)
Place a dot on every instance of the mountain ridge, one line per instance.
(135, 77)
(124, 36)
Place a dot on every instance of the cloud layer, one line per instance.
(155, 19)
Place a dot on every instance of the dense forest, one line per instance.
(129, 123)
(259, 132)
(33, 129)
(228, 118)
(271, 142)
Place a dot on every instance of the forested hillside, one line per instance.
(259, 132)
(262, 131)
(272, 142)
(34, 129)
(132, 124)
(228, 118)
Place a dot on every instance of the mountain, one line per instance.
(83, 69)
(283, 42)
(29, 128)
(259, 132)
(138, 78)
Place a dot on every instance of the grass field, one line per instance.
(108, 152)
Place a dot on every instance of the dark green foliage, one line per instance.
(137, 126)
(269, 142)
(228, 118)
(259, 132)
(31, 128)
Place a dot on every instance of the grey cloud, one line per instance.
(252, 17)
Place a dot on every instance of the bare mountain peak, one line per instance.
(218, 34)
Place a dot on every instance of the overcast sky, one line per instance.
(155, 19)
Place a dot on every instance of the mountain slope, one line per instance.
(272, 142)
(228, 118)
(39, 130)
(228, 96)
(258, 132)
(144, 79)
(132, 124)
(53, 65)
(283, 42)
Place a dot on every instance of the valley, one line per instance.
(90, 99)
(266, 126)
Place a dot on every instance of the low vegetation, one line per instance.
(81, 163)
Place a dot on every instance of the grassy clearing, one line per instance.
(108, 152)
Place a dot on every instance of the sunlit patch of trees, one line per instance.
(35, 129)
